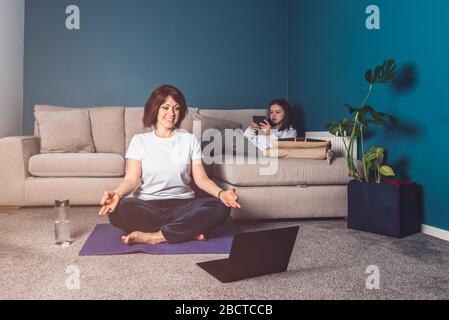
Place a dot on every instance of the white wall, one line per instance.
(12, 17)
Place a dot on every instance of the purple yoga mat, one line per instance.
(105, 240)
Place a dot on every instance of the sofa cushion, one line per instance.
(242, 116)
(211, 143)
(68, 131)
(77, 165)
(107, 126)
(108, 129)
(187, 123)
(290, 172)
(134, 122)
(215, 123)
(45, 107)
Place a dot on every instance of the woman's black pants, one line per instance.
(178, 220)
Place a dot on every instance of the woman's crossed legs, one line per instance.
(174, 221)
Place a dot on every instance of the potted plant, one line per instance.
(383, 206)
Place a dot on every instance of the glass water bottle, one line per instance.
(62, 223)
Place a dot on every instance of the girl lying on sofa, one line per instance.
(278, 125)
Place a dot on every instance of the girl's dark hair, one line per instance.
(157, 98)
(288, 119)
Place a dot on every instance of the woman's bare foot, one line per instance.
(201, 237)
(150, 238)
(144, 237)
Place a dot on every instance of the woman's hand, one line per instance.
(229, 198)
(254, 127)
(266, 127)
(109, 203)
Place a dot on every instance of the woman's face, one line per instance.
(168, 114)
(277, 114)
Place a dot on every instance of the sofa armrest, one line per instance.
(15, 153)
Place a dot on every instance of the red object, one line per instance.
(396, 183)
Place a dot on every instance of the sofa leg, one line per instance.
(9, 209)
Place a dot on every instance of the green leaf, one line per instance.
(375, 149)
(347, 126)
(369, 76)
(386, 171)
(344, 128)
(370, 156)
(380, 156)
(384, 73)
(376, 115)
(379, 150)
(334, 130)
(389, 63)
(389, 68)
(362, 118)
(380, 118)
(367, 108)
(378, 73)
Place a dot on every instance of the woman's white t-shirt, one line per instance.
(166, 164)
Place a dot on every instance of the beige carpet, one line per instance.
(329, 262)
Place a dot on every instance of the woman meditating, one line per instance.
(158, 168)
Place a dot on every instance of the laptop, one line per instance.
(254, 254)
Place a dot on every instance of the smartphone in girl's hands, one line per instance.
(259, 119)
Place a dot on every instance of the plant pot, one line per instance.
(390, 208)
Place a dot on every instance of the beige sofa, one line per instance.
(300, 189)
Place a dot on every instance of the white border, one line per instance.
(435, 232)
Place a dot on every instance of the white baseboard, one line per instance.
(435, 232)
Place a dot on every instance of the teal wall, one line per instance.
(329, 51)
(220, 53)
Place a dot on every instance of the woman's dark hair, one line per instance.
(157, 98)
(288, 119)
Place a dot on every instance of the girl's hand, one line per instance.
(229, 198)
(254, 127)
(266, 127)
(109, 203)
